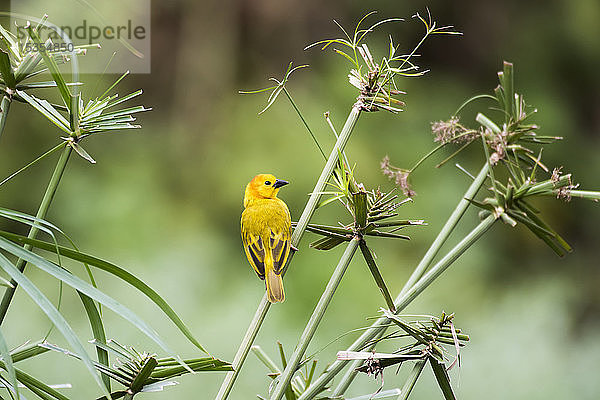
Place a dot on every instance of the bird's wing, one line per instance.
(255, 251)
(280, 248)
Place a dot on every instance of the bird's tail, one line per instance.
(274, 287)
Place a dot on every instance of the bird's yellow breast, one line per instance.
(264, 215)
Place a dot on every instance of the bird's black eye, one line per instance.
(267, 183)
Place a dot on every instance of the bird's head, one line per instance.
(263, 186)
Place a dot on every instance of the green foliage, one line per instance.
(430, 337)
(377, 81)
(104, 114)
(300, 381)
(507, 149)
(372, 214)
(512, 171)
(144, 372)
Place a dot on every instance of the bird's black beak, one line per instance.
(279, 183)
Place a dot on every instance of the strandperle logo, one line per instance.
(89, 32)
(81, 28)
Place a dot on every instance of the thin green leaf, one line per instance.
(385, 360)
(508, 85)
(441, 375)
(257, 90)
(375, 25)
(485, 206)
(114, 84)
(339, 233)
(385, 394)
(282, 354)
(487, 123)
(386, 234)
(418, 335)
(31, 221)
(330, 200)
(328, 243)
(289, 394)
(266, 360)
(357, 29)
(25, 352)
(114, 270)
(34, 62)
(6, 70)
(83, 287)
(74, 114)
(340, 52)
(123, 377)
(11, 41)
(144, 374)
(206, 364)
(5, 283)
(81, 151)
(47, 110)
(468, 101)
(39, 388)
(522, 217)
(311, 373)
(53, 67)
(113, 346)
(112, 102)
(377, 275)
(360, 209)
(114, 114)
(42, 85)
(98, 331)
(57, 319)
(96, 107)
(114, 395)
(8, 363)
(535, 218)
(412, 379)
(327, 42)
(403, 222)
(43, 225)
(26, 67)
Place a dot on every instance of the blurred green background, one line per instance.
(164, 202)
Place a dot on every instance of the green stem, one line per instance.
(584, 194)
(309, 209)
(379, 326)
(242, 352)
(311, 204)
(41, 214)
(491, 170)
(411, 380)
(438, 147)
(376, 275)
(262, 356)
(142, 376)
(4, 107)
(315, 319)
(304, 122)
(46, 154)
(271, 366)
(348, 377)
(402, 302)
(42, 390)
(447, 229)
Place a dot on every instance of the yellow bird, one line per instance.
(266, 232)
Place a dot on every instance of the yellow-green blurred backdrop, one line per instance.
(164, 202)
